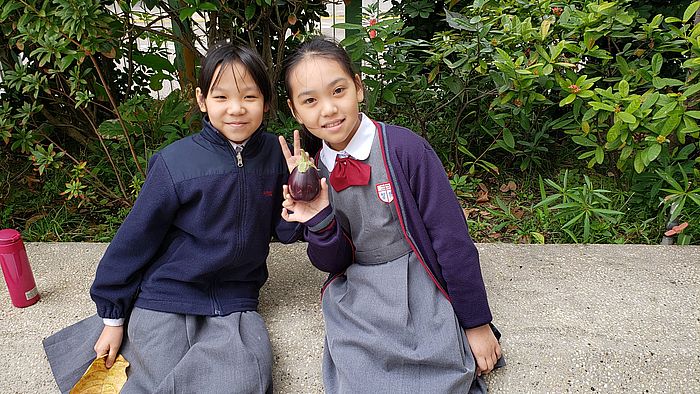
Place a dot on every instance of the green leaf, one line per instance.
(590, 37)
(607, 211)
(613, 133)
(676, 209)
(690, 11)
(567, 100)
(347, 26)
(624, 88)
(457, 21)
(586, 155)
(574, 220)
(692, 89)
(378, 45)
(206, 6)
(598, 105)
(544, 28)
(557, 49)
(563, 83)
(548, 200)
(691, 125)
(543, 53)
(626, 152)
(599, 155)
(625, 19)
(154, 61)
(674, 184)
(622, 64)
(539, 238)
(656, 61)
(693, 114)
(653, 152)
(584, 141)
(187, 13)
(670, 125)
(649, 100)
(638, 163)
(372, 99)
(634, 105)
(352, 40)
(665, 110)
(9, 7)
(692, 62)
(508, 138)
(250, 11)
(627, 117)
(110, 129)
(671, 82)
(389, 96)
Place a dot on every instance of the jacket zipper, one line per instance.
(214, 304)
(239, 158)
(239, 162)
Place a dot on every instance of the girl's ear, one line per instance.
(294, 114)
(360, 88)
(200, 100)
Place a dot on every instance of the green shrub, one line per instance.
(531, 86)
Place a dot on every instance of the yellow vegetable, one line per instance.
(100, 380)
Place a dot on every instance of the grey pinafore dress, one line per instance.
(388, 327)
(173, 353)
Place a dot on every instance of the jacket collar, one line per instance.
(252, 144)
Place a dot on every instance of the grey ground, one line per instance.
(595, 318)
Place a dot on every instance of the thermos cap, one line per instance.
(9, 236)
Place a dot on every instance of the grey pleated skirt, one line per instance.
(173, 353)
(390, 330)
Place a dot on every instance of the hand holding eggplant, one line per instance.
(307, 194)
(301, 211)
(304, 182)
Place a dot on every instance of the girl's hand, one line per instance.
(109, 343)
(302, 211)
(292, 160)
(485, 348)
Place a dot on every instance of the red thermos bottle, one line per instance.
(16, 269)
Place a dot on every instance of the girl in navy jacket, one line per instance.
(405, 305)
(186, 266)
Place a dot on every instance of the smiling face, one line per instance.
(324, 97)
(234, 103)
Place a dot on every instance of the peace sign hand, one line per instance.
(292, 159)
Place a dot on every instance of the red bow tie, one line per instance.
(349, 172)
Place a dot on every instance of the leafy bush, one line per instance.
(515, 85)
(501, 88)
(76, 85)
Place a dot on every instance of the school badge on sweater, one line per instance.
(385, 193)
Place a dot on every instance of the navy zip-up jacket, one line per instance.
(432, 222)
(197, 239)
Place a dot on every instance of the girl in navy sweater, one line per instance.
(186, 266)
(405, 305)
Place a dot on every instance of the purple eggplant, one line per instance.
(304, 181)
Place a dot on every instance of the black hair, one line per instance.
(323, 47)
(226, 54)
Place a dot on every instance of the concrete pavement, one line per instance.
(590, 318)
